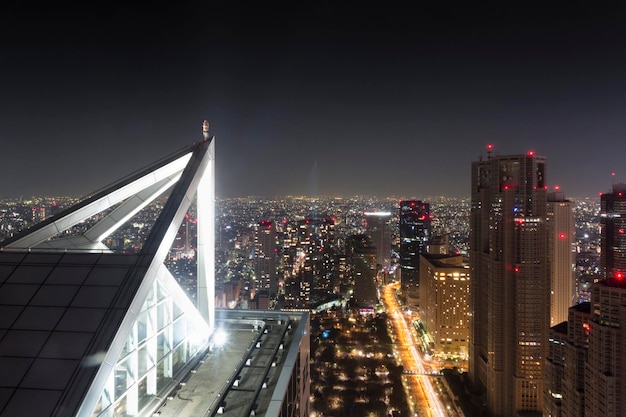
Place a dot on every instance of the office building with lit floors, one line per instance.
(613, 232)
(91, 332)
(561, 255)
(593, 371)
(361, 262)
(266, 259)
(415, 234)
(510, 285)
(445, 305)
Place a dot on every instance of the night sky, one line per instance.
(311, 100)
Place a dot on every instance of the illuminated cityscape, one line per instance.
(327, 282)
(415, 210)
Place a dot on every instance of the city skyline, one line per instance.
(312, 101)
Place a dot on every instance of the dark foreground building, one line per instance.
(86, 331)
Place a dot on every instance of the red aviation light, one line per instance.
(516, 269)
(490, 146)
(531, 153)
(562, 236)
(556, 188)
(619, 275)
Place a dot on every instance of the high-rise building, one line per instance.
(415, 231)
(377, 227)
(265, 258)
(554, 367)
(361, 263)
(510, 285)
(576, 346)
(613, 232)
(445, 284)
(561, 255)
(605, 371)
(593, 372)
(90, 332)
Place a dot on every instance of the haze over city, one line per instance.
(315, 100)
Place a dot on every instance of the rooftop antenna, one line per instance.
(489, 148)
(205, 130)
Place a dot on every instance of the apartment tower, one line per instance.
(510, 286)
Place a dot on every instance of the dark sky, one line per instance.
(311, 100)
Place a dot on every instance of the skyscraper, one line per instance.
(594, 371)
(265, 258)
(561, 241)
(510, 286)
(613, 233)
(445, 282)
(415, 233)
(361, 261)
(378, 228)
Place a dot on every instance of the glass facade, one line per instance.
(162, 341)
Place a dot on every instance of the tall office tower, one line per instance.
(510, 285)
(605, 371)
(576, 345)
(415, 233)
(445, 285)
(561, 255)
(594, 372)
(613, 232)
(265, 258)
(379, 230)
(314, 252)
(553, 371)
(361, 262)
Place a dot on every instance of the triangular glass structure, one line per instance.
(87, 332)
